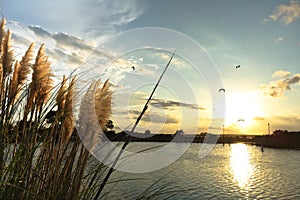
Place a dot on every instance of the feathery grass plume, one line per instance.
(13, 84)
(103, 104)
(25, 64)
(87, 122)
(20, 73)
(2, 34)
(15, 74)
(41, 83)
(7, 55)
(68, 122)
(98, 101)
(7, 61)
(2, 30)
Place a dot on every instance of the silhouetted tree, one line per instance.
(179, 132)
(280, 132)
(147, 132)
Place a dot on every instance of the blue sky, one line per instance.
(262, 36)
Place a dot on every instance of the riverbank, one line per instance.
(290, 140)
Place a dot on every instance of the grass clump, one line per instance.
(41, 156)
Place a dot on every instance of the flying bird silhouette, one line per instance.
(241, 120)
(133, 68)
(238, 66)
(222, 90)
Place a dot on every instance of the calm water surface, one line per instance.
(237, 171)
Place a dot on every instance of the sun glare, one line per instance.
(241, 108)
(240, 165)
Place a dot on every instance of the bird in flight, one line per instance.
(222, 90)
(133, 68)
(241, 120)
(238, 66)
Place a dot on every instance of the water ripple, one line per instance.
(251, 174)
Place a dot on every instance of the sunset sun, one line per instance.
(242, 108)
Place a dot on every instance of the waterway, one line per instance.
(236, 171)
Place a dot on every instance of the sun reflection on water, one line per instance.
(240, 165)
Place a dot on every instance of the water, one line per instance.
(237, 171)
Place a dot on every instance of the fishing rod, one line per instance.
(151, 95)
(129, 138)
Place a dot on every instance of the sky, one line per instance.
(104, 39)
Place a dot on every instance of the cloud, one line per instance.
(39, 31)
(167, 56)
(77, 17)
(295, 79)
(233, 129)
(63, 49)
(257, 118)
(68, 41)
(276, 88)
(279, 39)
(286, 122)
(168, 104)
(155, 117)
(70, 30)
(70, 58)
(20, 39)
(108, 16)
(281, 74)
(286, 13)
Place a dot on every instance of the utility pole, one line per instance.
(223, 136)
(269, 130)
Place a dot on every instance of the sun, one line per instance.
(241, 108)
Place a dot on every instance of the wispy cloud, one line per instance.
(285, 122)
(167, 56)
(233, 129)
(39, 31)
(64, 40)
(20, 39)
(169, 104)
(258, 118)
(66, 57)
(281, 74)
(276, 88)
(73, 31)
(77, 17)
(279, 39)
(66, 52)
(155, 117)
(286, 13)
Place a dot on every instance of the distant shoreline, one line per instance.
(290, 140)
